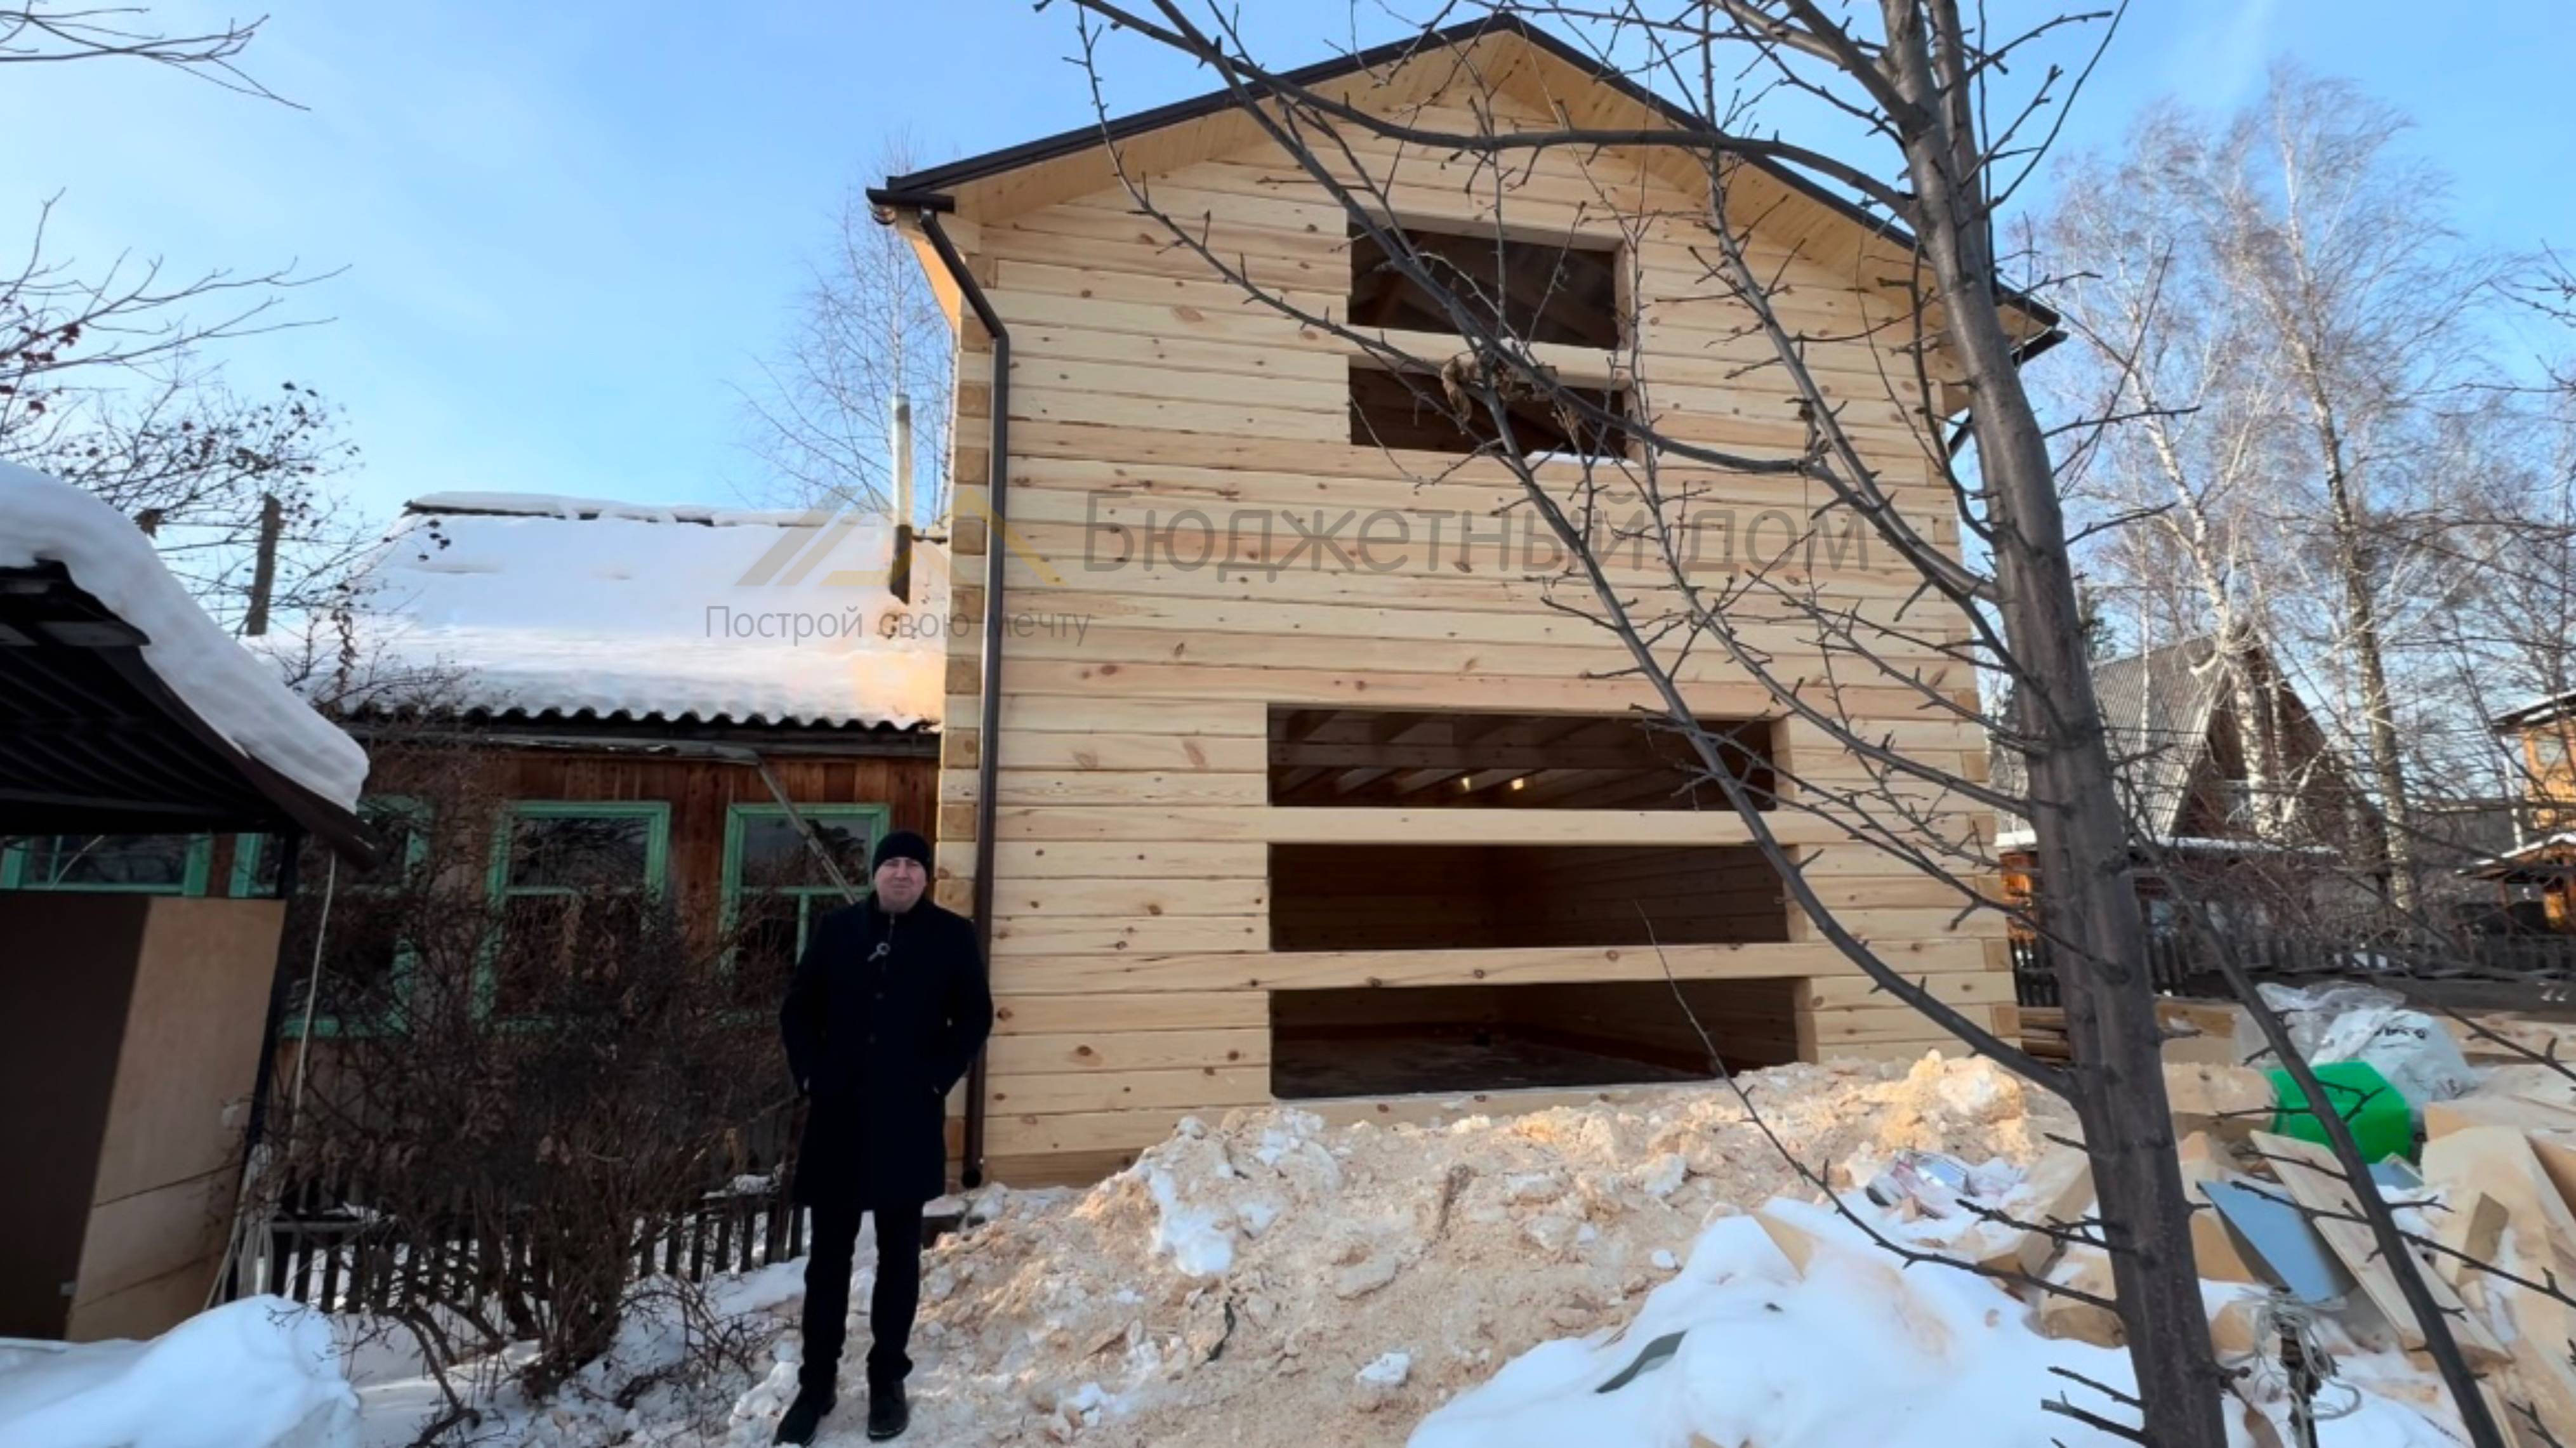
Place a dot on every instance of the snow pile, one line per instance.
(1740, 1348)
(235, 693)
(259, 1373)
(538, 603)
(657, 1387)
(1271, 1281)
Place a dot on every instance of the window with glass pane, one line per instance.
(137, 864)
(572, 883)
(366, 939)
(776, 885)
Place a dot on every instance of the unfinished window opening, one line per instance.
(1499, 897)
(1564, 291)
(1415, 413)
(1390, 1042)
(1406, 759)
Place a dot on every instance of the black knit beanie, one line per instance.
(901, 845)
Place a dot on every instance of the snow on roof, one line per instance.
(237, 694)
(2535, 853)
(2540, 709)
(537, 604)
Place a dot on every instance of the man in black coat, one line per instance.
(886, 1012)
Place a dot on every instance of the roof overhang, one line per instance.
(92, 741)
(1502, 51)
(2538, 711)
(2545, 861)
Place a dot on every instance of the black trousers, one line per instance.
(890, 1309)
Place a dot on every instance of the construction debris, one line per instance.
(1594, 1272)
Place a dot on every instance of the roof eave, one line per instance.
(936, 183)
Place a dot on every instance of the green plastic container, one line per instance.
(2382, 1123)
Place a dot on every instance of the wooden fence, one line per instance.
(2180, 965)
(329, 1250)
(332, 1246)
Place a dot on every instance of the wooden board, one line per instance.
(2309, 1174)
(2478, 1165)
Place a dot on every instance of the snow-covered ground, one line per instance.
(1271, 1281)
(259, 1373)
(1610, 1276)
(238, 694)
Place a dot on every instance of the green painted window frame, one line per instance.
(406, 962)
(880, 818)
(201, 855)
(497, 892)
(246, 852)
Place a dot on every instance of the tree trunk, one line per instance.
(2088, 902)
(2392, 824)
(2270, 803)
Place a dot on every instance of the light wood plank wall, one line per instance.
(1130, 938)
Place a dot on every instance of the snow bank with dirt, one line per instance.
(259, 1373)
(238, 694)
(1271, 1281)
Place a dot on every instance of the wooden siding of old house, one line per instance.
(1131, 936)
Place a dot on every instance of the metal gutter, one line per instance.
(927, 207)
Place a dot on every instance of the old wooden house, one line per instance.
(1249, 826)
(2252, 853)
(574, 706)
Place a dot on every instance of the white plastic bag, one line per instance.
(2345, 1022)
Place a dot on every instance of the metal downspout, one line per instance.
(926, 209)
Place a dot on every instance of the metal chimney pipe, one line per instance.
(900, 444)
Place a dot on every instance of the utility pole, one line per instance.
(263, 578)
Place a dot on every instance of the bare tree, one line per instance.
(43, 33)
(2342, 249)
(106, 382)
(868, 340)
(2175, 493)
(1994, 590)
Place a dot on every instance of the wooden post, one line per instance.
(263, 578)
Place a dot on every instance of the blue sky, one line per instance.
(567, 232)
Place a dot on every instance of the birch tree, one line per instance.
(867, 337)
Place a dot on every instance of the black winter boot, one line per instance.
(888, 1413)
(806, 1414)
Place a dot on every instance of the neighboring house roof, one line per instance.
(2157, 708)
(2538, 711)
(529, 605)
(125, 709)
(1547, 68)
(2542, 860)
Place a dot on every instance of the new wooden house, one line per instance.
(1273, 820)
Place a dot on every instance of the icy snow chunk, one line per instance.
(1389, 1370)
(1380, 1380)
(259, 1373)
(1664, 1259)
(1257, 1214)
(1197, 1239)
(1664, 1175)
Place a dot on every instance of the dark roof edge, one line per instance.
(937, 180)
(2538, 711)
